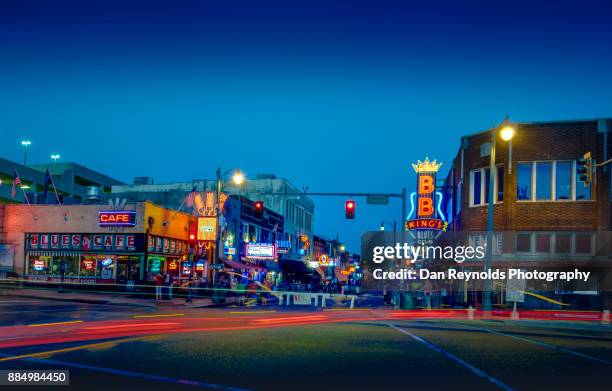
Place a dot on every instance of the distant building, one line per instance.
(72, 180)
(278, 194)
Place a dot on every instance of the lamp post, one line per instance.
(54, 157)
(238, 178)
(506, 132)
(396, 299)
(26, 144)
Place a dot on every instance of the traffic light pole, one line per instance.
(401, 195)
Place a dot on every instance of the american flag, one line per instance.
(16, 182)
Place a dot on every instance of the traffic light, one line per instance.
(349, 209)
(584, 169)
(259, 208)
(193, 231)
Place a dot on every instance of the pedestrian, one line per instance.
(159, 283)
(170, 282)
(188, 284)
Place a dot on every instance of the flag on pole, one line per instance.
(48, 181)
(16, 182)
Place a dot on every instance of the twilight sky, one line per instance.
(337, 96)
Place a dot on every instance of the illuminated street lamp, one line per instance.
(238, 178)
(506, 132)
(55, 156)
(26, 144)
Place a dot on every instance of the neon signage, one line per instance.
(261, 250)
(117, 218)
(425, 213)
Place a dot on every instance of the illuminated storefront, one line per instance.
(90, 244)
(82, 257)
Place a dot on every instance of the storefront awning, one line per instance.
(292, 266)
(241, 265)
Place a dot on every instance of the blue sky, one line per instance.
(336, 96)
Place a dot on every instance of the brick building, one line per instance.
(544, 216)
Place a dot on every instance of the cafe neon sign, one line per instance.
(426, 212)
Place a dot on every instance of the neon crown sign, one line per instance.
(424, 215)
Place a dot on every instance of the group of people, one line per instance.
(161, 281)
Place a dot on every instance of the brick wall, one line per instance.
(537, 141)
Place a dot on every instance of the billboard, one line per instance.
(207, 228)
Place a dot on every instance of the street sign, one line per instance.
(378, 200)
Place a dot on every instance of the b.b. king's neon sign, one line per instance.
(426, 202)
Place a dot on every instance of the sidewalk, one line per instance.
(103, 298)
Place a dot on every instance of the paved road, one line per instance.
(128, 348)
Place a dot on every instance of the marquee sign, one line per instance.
(261, 250)
(117, 218)
(425, 213)
(207, 228)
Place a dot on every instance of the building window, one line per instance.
(582, 192)
(550, 181)
(543, 181)
(542, 243)
(563, 243)
(476, 187)
(479, 186)
(560, 243)
(563, 179)
(523, 185)
(583, 243)
(523, 243)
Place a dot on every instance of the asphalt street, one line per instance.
(110, 347)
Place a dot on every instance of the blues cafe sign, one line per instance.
(85, 242)
(425, 212)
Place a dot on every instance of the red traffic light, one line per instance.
(259, 205)
(349, 209)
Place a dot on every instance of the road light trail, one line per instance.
(456, 359)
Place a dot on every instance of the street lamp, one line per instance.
(55, 156)
(238, 178)
(26, 144)
(506, 132)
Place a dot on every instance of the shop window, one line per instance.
(88, 266)
(523, 243)
(106, 267)
(71, 265)
(543, 181)
(39, 264)
(563, 179)
(542, 243)
(563, 243)
(583, 243)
